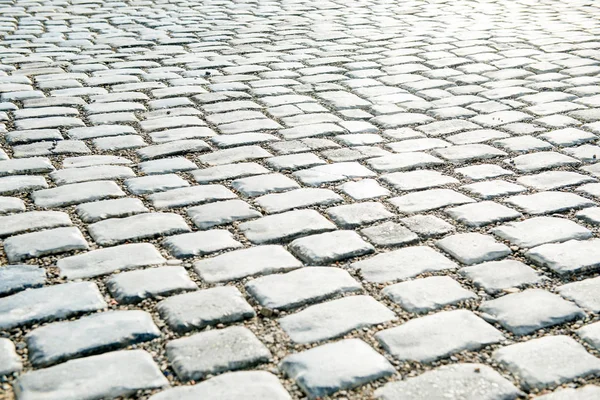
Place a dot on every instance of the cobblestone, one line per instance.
(432, 157)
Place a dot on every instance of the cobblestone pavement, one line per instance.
(299, 198)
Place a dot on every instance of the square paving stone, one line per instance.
(542, 160)
(329, 247)
(135, 286)
(49, 303)
(549, 202)
(32, 221)
(9, 359)
(44, 243)
(99, 210)
(402, 264)
(491, 189)
(14, 278)
(590, 334)
(543, 309)
(303, 286)
(427, 294)
(547, 361)
(390, 234)
(285, 226)
(364, 189)
(298, 198)
(539, 230)
(585, 293)
(196, 310)
(427, 225)
(229, 171)
(473, 248)
(332, 367)
(482, 213)
(554, 180)
(200, 243)
(458, 381)
(210, 352)
(259, 260)
(468, 153)
(123, 373)
(415, 180)
(316, 176)
(93, 334)
(230, 386)
(221, 213)
(189, 196)
(403, 162)
(590, 215)
(353, 215)
(437, 336)
(483, 171)
(335, 318)
(427, 200)
(588, 392)
(495, 276)
(261, 184)
(569, 257)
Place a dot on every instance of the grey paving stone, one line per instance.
(236, 154)
(11, 205)
(482, 213)
(154, 183)
(540, 230)
(464, 381)
(172, 148)
(429, 200)
(353, 215)
(473, 248)
(569, 257)
(404, 162)
(76, 193)
(335, 318)
(495, 276)
(427, 294)
(316, 176)
(14, 278)
(554, 179)
(9, 359)
(198, 309)
(44, 243)
(332, 367)
(89, 335)
(468, 152)
(294, 162)
(492, 189)
(285, 226)
(99, 210)
(262, 184)
(549, 202)
(188, 196)
(544, 309)
(302, 286)
(547, 361)
(260, 260)
(402, 264)
(230, 386)
(542, 160)
(141, 226)
(92, 173)
(105, 261)
(220, 213)
(229, 171)
(590, 334)
(364, 189)
(49, 303)
(584, 293)
(414, 180)
(166, 166)
(483, 171)
(427, 225)
(299, 198)
(31, 221)
(437, 336)
(329, 247)
(88, 161)
(588, 392)
(390, 234)
(35, 165)
(200, 243)
(125, 372)
(99, 131)
(215, 351)
(21, 183)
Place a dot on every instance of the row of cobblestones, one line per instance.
(299, 199)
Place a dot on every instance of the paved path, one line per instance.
(291, 199)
